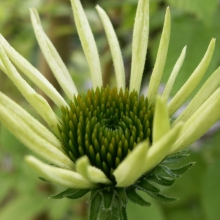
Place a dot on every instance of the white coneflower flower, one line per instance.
(110, 141)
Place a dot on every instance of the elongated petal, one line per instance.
(29, 137)
(160, 60)
(174, 73)
(139, 44)
(161, 122)
(130, 169)
(25, 118)
(199, 123)
(202, 95)
(159, 150)
(57, 175)
(36, 100)
(88, 43)
(114, 47)
(53, 59)
(89, 172)
(33, 74)
(193, 81)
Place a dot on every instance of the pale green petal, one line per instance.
(193, 80)
(159, 150)
(89, 172)
(59, 176)
(32, 73)
(53, 59)
(139, 44)
(37, 101)
(88, 43)
(173, 75)
(114, 47)
(204, 93)
(199, 123)
(130, 169)
(25, 118)
(31, 138)
(160, 60)
(161, 121)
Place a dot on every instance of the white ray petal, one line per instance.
(199, 123)
(130, 169)
(139, 44)
(160, 60)
(202, 95)
(33, 74)
(37, 101)
(159, 150)
(88, 43)
(59, 176)
(193, 80)
(174, 73)
(114, 47)
(161, 121)
(24, 132)
(89, 172)
(53, 59)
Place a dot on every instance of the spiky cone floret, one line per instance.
(111, 142)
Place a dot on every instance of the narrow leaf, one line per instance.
(122, 195)
(183, 169)
(108, 197)
(164, 181)
(161, 197)
(145, 186)
(71, 194)
(135, 198)
(95, 205)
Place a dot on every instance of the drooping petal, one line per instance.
(31, 138)
(33, 74)
(193, 80)
(16, 111)
(130, 169)
(37, 101)
(161, 122)
(199, 123)
(88, 43)
(139, 44)
(202, 95)
(160, 60)
(60, 176)
(173, 75)
(159, 150)
(89, 172)
(114, 47)
(53, 59)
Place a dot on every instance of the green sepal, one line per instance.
(175, 158)
(135, 198)
(145, 186)
(163, 171)
(122, 196)
(164, 181)
(71, 194)
(183, 169)
(161, 198)
(122, 213)
(41, 178)
(108, 197)
(95, 205)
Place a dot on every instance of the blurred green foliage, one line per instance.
(22, 195)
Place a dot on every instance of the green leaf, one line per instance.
(71, 194)
(161, 197)
(108, 197)
(164, 181)
(95, 205)
(145, 186)
(135, 198)
(175, 158)
(122, 213)
(163, 171)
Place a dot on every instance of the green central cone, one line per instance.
(105, 125)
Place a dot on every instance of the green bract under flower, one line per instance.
(111, 142)
(105, 125)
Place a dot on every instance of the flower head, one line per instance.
(110, 141)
